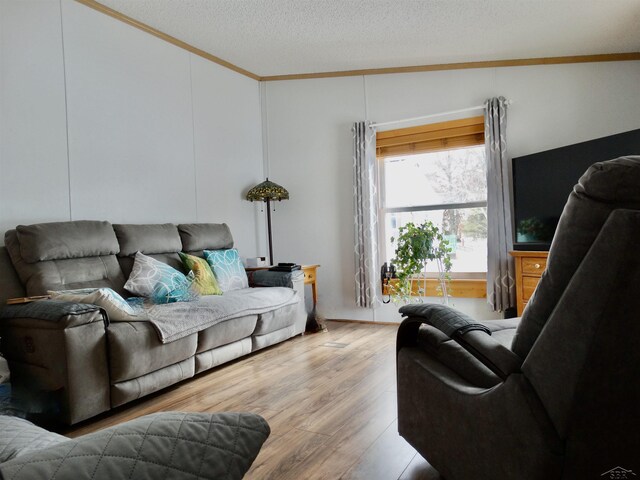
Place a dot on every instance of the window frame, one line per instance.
(428, 138)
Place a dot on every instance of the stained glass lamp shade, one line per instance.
(268, 191)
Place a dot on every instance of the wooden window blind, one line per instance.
(434, 137)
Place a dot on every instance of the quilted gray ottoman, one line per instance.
(168, 445)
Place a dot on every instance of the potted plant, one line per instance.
(533, 229)
(416, 246)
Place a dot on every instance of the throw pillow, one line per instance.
(117, 308)
(228, 269)
(180, 292)
(156, 280)
(205, 281)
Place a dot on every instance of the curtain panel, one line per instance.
(501, 290)
(365, 195)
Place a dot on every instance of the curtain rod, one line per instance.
(424, 117)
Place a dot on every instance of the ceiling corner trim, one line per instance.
(167, 38)
(518, 62)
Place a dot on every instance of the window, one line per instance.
(438, 173)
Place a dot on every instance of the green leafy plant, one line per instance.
(417, 245)
(530, 226)
(534, 229)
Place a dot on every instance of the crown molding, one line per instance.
(520, 62)
(167, 38)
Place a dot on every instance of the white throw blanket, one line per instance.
(173, 321)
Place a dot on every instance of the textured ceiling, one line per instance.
(275, 37)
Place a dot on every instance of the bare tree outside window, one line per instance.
(447, 188)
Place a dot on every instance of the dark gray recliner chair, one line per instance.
(556, 394)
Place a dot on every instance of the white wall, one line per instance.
(155, 133)
(309, 146)
(34, 182)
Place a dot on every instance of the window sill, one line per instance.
(458, 287)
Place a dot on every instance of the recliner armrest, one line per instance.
(495, 356)
(473, 337)
(446, 319)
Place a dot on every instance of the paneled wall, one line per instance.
(100, 120)
(34, 177)
(310, 146)
(103, 121)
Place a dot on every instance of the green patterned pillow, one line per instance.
(205, 282)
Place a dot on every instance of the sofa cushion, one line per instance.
(129, 390)
(66, 273)
(177, 320)
(271, 338)
(205, 282)
(134, 350)
(60, 240)
(276, 319)
(226, 332)
(148, 239)
(20, 437)
(228, 269)
(226, 353)
(205, 236)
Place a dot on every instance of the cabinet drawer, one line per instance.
(529, 284)
(534, 265)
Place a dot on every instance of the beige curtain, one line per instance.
(365, 195)
(501, 290)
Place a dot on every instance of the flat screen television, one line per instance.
(543, 181)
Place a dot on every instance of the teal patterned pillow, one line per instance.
(158, 281)
(181, 291)
(228, 269)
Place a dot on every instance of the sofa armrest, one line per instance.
(472, 336)
(164, 445)
(58, 314)
(294, 280)
(267, 278)
(57, 355)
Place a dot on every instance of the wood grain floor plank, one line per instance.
(387, 458)
(280, 455)
(350, 442)
(332, 411)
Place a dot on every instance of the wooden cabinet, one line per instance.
(529, 268)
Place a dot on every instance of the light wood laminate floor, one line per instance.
(330, 399)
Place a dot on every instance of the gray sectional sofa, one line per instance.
(86, 364)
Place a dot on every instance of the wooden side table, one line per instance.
(310, 279)
(309, 272)
(529, 268)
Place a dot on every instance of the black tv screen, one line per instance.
(542, 183)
